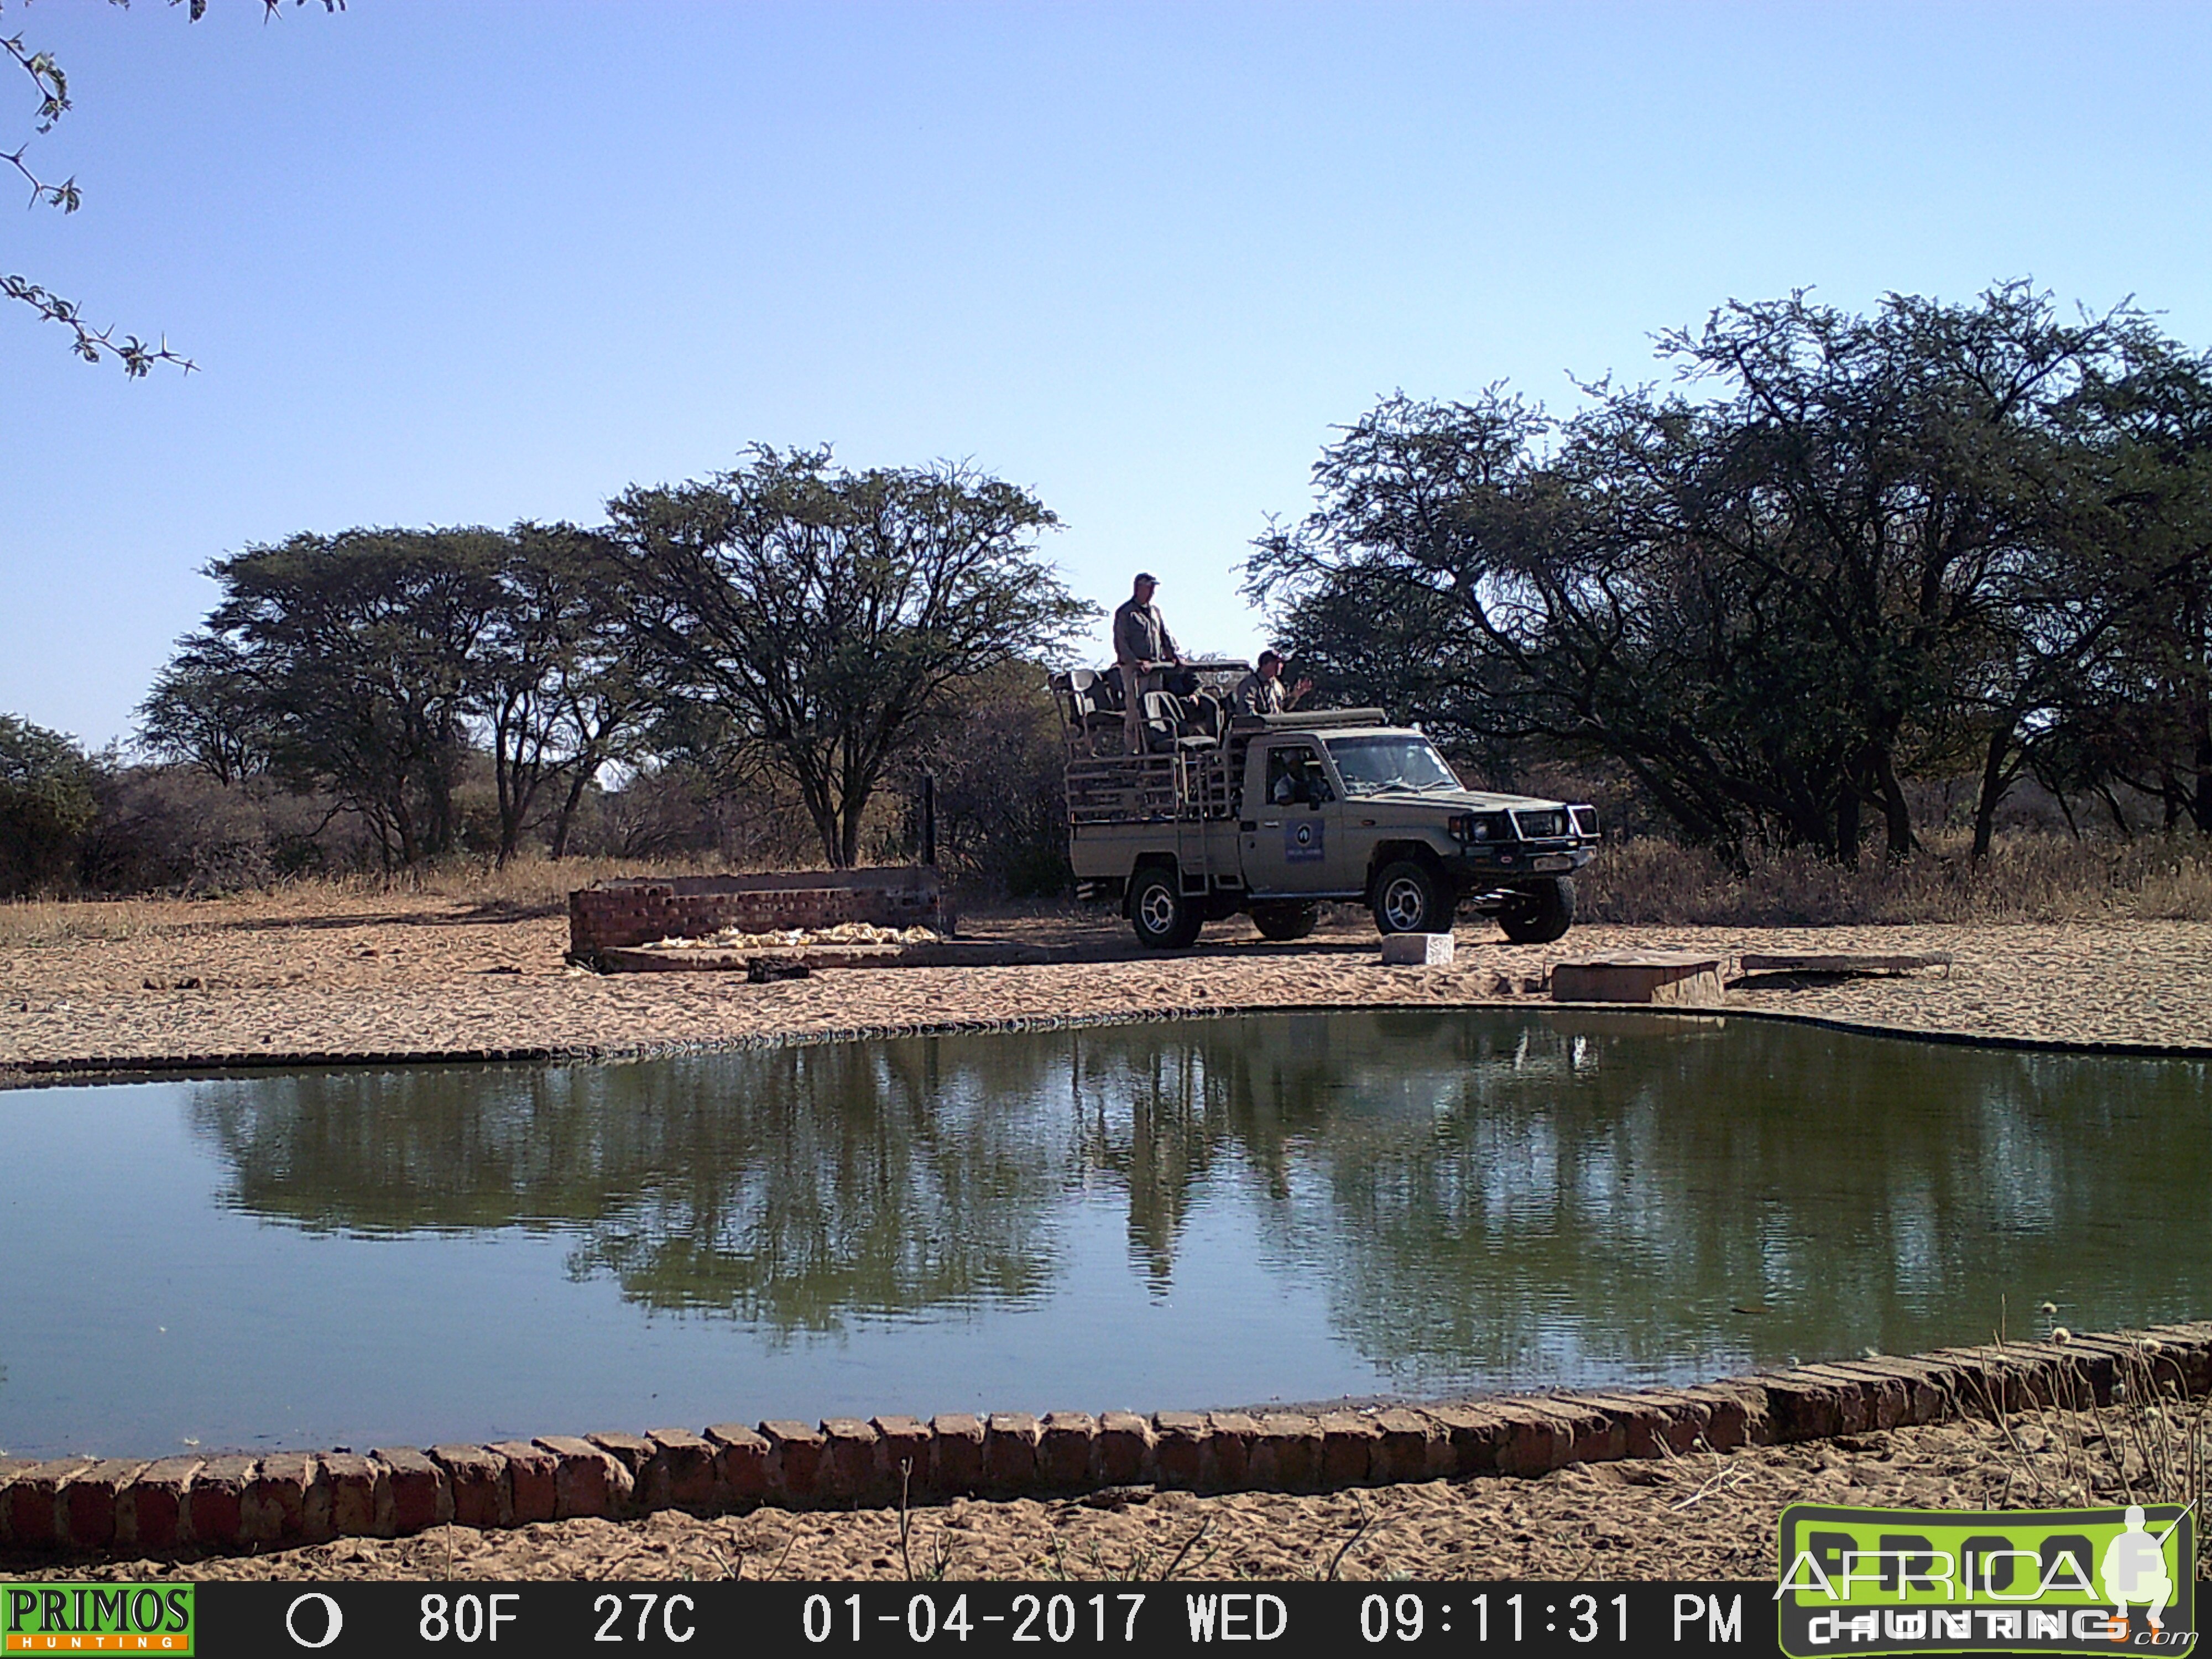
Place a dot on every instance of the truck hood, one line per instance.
(1459, 800)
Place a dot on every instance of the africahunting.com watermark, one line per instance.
(2010, 1581)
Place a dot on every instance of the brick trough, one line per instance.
(81, 1505)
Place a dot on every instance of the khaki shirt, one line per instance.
(1256, 696)
(1140, 634)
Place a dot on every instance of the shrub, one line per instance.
(46, 807)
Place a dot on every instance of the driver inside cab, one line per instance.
(1295, 778)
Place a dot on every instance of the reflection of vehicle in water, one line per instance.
(1271, 814)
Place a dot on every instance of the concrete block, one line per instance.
(586, 1481)
(273, 1509)
(1348, 1440)
(87, 1501)
(1179, 1449)
(1738, 1414)
(477, 1478)
(956, 1455)
(1532, 1441)
(149, 1512)
(630, 1450)
(680, 1474)
(1067, 1448)
(356, 1493)
(741, 1463)
(1010, 1450)
(794, 1459)
(1467, 1438)
(422, 1496)
(1680, 978)
(1416, 951)
(848, 1459)
(903, 1445)
(1226, 1465)
(1402, 1452)
(214, 1506)
(1285, 1453)
(34, 1520)
(1125, 1449)
(1810, 1407)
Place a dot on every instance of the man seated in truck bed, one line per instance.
(1262, 692)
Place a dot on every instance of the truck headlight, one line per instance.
(1479, 827)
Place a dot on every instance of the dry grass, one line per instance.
(2026, 878)
(2150, 1446)
(1645, 881)
(534, 886)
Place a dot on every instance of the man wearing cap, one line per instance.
(1264, 693)
(1141, 644)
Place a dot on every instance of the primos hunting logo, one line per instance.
(95, 1619)
(2015, 1581)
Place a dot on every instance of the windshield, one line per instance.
(1370, 765)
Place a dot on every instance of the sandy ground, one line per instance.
(214, 978)
(1705, 1517)
(302, 975)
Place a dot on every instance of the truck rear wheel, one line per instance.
(1543, 913)
(1163, 918)
(1410, 897)
(1286, 920)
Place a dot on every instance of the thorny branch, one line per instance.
(53, 88)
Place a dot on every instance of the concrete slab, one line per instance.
(1834, 962)
(1674, 978)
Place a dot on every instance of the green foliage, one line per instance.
(360, 646)
(205, 712)
(826, 615)
(996, 754)
(1872, 546)
(46, 808)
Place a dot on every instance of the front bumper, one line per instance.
(1478, 868)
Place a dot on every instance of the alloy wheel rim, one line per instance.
(1403, 904)
(1158, 908)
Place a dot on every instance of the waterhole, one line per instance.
(1287, 1208)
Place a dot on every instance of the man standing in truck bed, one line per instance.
(1141, 644)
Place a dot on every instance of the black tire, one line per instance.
(1163, 918)
(1411, 897)
(1545, 914)
(1285, 919)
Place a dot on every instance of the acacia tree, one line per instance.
(361, 648)
(1877, 543)
(825, 613)
(554, 683)
(204, 711)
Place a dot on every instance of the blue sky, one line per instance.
(447, 263)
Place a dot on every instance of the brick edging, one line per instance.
(121, 1067)
(83, 1505)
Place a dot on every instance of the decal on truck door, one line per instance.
(1301, 840)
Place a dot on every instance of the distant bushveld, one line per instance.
(1899, 617)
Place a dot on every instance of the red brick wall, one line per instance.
(610, 915)
(239, 1504)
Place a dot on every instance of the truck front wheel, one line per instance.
(1541, 914)
(1412, 898)
(1163, 918)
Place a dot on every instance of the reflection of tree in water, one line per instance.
(1598, 1203)
(1479, 1197)
(793, 1186)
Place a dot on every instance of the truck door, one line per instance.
(1291, 815)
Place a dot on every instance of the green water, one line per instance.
(1209, 1213)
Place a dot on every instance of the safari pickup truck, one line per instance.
(1272, 815)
